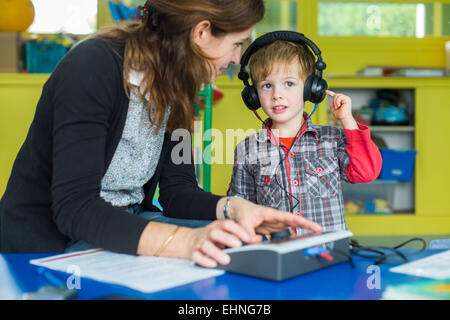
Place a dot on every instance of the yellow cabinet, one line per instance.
(431, 135)
(19, 94)
(432, 177)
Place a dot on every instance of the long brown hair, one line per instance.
(162, 47)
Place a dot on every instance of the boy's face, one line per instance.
(281, 95)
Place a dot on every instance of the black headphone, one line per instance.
(315, 85)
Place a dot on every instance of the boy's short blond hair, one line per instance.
(280, 52)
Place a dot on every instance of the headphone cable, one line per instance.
(314, 110)
(283, 187)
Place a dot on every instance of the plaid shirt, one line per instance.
(306, 180)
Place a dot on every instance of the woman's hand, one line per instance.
(256, 218)
(205, 244)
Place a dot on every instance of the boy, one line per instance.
(291, 164)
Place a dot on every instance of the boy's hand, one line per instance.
(341, 106)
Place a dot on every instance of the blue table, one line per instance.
(341, 281)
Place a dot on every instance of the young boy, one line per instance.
(291, 164)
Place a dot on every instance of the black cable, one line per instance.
(283, 187)
(424, 244)
(286, 154)
(381, 256)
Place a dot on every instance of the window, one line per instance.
(64, 16)
(383, 19)
(280, 15)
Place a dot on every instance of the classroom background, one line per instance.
(392, 57)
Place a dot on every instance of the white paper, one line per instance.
(436, 266)
(9, 290)
(142, 273)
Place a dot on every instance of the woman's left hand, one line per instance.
(204, 245)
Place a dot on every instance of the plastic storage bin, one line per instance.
(397, 165)
(42, 57)
(373, 198)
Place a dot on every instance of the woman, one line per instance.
(98, 147)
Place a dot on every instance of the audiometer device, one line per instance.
(285, 255)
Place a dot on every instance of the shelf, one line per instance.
(399, 213)
(23, 79)
(375, 128)
(391, 128)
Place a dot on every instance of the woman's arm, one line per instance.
(179, 193)
(204, 245)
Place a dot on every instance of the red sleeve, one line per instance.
(365, 157)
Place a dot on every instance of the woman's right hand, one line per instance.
(205, 244)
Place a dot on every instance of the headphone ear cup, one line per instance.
(250, 98)
(318, 90)
(307, 88)
(314, 89)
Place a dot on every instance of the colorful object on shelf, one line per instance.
(397, 165)
(376, 197)
(61, 38)
(42, 56)
(351, 207)
(16, 15)
(363, 116)
(120, 12)
(389, 109)
(379, 206)
(217, 96)
(367, 206)
(391, 115)
(204, 174)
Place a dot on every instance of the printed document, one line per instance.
(142, 273)
(436, 266)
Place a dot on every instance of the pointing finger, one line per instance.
(330, 93)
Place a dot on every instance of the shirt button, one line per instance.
(291, 154)
(267, 179)
(319, 170)
(294, 182)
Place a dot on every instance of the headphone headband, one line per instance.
(270, 37)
